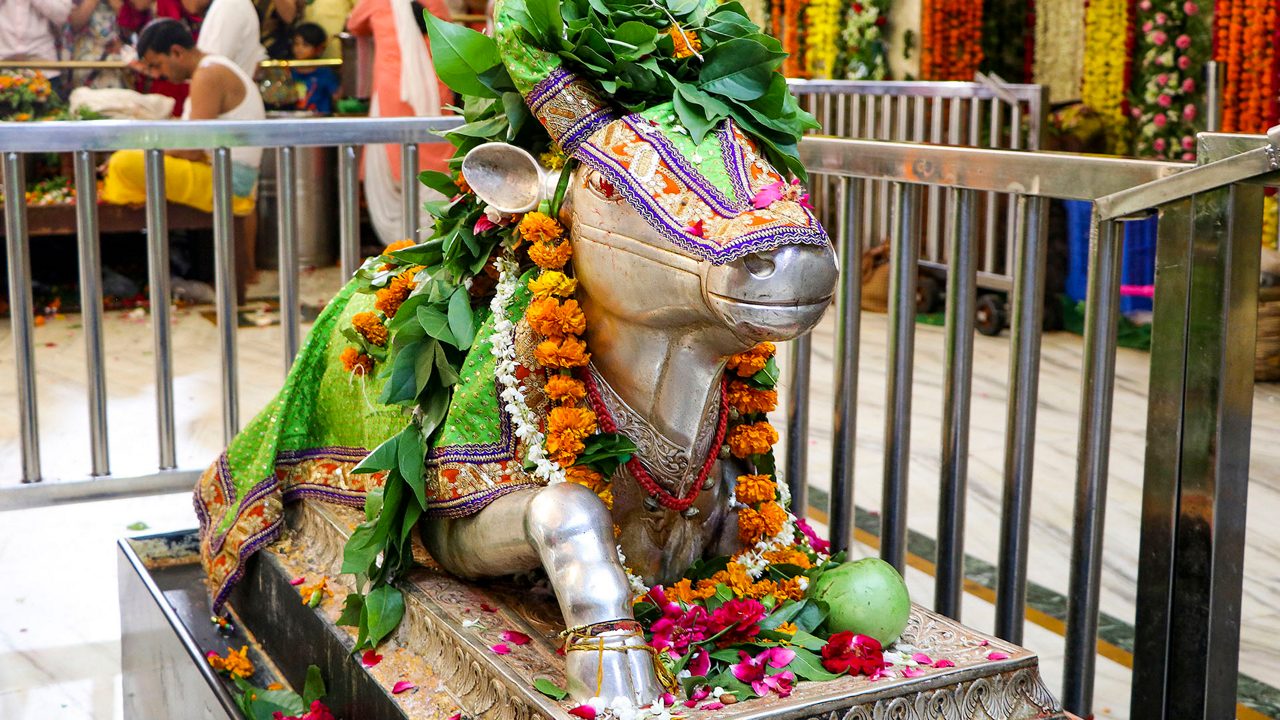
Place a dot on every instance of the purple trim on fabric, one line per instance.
(548, 88)
(584, 127)
(251, 546)
(350, 498)
(657, 217)
(340, 453)
(255, 493)
(224, 477)
(692, 177)
(504, 449)
(474, 503)
(737, 166)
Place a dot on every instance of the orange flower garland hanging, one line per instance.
(951, 39)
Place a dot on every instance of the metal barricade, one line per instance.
(83, 139)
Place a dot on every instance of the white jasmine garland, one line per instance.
(638, 588)
(512, 395)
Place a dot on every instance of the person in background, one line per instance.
(219, 89)
(317, 85)
(91, 34)
(276, 19)
(230, 29)
(404, 85)
(27, 29)
(330, 15)
(133, 16)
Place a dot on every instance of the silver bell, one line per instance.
(651, 504)
(691, 512)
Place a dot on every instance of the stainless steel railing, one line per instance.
(83, 139)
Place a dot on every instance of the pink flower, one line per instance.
(921, 658)
(318, 712)
(815, 541)
(586, 712)
(1188, 142)
(297, 581)
(767, 196)
(1188, 85)
(1164, 100)
(679, 628)
(1162, 79)
(370, 658)
(739, 620)
(1158, 38)
(668, 699)
(456, 716)
(1190, 8)
(1189, 156)
(700, 663)
(1135, 111)
(1184, 62)
(1158, 144)
(854, 654)
(402, 686)
(1160, 121)
(500, 649)
(1161, 18)
(997, 655)
(696, 229)
(912, 672)
(1183, 42)
(515, 637)
(943, 664)
(483, 224)
(1145, 5)
(804, 202)
(700, 693)
(1189, 112)
(1147, 26)
(753, 671)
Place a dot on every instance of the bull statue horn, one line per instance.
(508, 178)
(568, 106)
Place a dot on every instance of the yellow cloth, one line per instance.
(332, 16)
(185, 182)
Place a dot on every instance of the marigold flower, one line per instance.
(567, 352)
(774, 517)
(751, 439)
(550, 257)
(461, 182)
(789, 556)
(396, 292)
(564, 389)
(398, 245)
(687, 42)
(789, 589)
(235, 664)
(685, 592)
(355, 361)
(552, 159)
(786, 628)
(567, 427)
(538, 227)
(587, 478)
(370, 328)
(748, 363)
(750, 526)
(552, 283)
(747, 399)
(755, 489)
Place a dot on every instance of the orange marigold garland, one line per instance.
(951, 39)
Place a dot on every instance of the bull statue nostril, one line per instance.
(759, 265)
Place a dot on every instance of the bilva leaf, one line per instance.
(550, 689)
(411, 456)
(383, 457)
(460, 54)
(384, 606)
(460, 318)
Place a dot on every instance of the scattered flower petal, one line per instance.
(912, 672)
(668, 699)
(483, 224)
(515, 637)
(767, 196)
(804, 202)
(943, 663)
(297, 581)
(456, 716)
(500, 649)
(370, 658)
(997, 656)
(471, 622)
(586, 712)
(696, 229)
(713, 706)
(488, 608)
(922, 659)
(402, 686)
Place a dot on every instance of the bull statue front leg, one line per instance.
(567, 530)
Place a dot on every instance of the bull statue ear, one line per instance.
(505, 177)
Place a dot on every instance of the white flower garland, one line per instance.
(504, 349)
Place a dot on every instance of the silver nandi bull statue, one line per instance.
(684, 253)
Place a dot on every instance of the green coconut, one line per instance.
(867, 597)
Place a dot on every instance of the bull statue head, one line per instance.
(686, 251)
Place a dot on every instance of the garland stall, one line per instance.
(1172, 46)
(1244, 45)
(1108, 47)
(951, 46)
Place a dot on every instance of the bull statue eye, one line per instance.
(759, 265)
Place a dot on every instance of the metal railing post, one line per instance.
(904, 253)
(1020, 434)
(349, 208)
(797, 467)
(1102, 317)
(287, 252)
(21, 312)
(91, 308)
(848, 330)
(409, 189)
(224, 254)
(158, 280)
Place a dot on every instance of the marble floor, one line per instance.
(59, 626)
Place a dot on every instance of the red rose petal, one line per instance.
(455, 716)
(997, 656)
(515, 637)
(713, 706)
(586, 712)
(370, 658)
(297, 581)
(922, 659)
(488, 608)
(500, 649)
(943, 664)
(402, 686)
(910, 672)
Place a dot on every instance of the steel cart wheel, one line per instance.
(989, 315)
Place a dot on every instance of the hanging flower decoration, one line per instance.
(1103, 88)
(1172, 45)
(951, 39)
(862, 51)
(822, 31)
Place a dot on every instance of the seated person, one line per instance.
(219, 90)
(317, 86)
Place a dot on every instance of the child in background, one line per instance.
(317, 86)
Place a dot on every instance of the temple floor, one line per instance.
(59, 633)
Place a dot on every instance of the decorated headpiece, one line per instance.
(677, 104)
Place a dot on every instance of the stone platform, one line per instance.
(443, 646)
